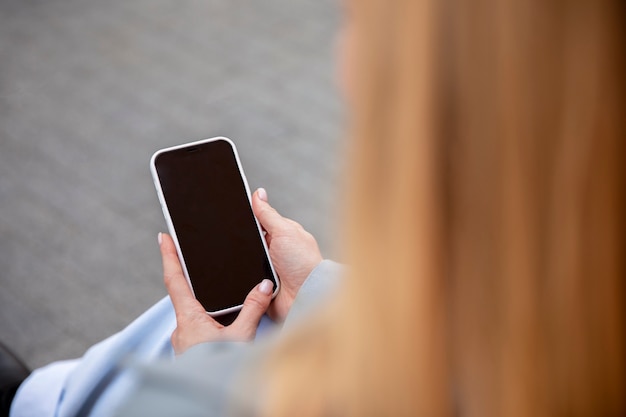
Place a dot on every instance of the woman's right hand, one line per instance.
(293, 251)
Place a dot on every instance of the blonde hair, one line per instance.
(484, 219)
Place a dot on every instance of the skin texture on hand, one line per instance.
(293, 251)
(194, 325)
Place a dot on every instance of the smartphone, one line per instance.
(206, 203)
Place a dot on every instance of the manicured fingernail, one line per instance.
(266, 287)
(262, 194)
(160, 238)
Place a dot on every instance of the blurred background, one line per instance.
(90, 89)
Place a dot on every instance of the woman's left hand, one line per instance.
(194, 325)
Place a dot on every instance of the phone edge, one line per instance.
(170, 224)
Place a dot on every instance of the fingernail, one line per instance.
(262, 194)
(160, 238)
(266, 287)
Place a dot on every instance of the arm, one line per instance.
(206, 378)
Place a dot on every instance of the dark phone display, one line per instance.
(218, 236)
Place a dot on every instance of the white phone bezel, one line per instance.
(170, 225)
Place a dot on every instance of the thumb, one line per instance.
(269, 218)
(254, 306)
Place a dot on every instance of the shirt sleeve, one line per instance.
(206, 380)
(201, 382)
(316, 289)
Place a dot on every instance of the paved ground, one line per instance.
(89, 89)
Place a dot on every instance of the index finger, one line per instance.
(179, 290)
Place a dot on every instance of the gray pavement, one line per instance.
(89, 89)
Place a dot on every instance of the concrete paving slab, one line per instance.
(89, 89)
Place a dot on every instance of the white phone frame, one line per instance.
(170, 224)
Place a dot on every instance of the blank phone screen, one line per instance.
(218, 236)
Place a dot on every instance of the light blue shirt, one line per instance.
(101, 380)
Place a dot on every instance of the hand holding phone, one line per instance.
(206, 204)
(193, 325)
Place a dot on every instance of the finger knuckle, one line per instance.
(243, 332)
(174, 339)
(308, 236)
(291, 227)
(168, 278)
(292, 224)
(265, 212)
(254, 302)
